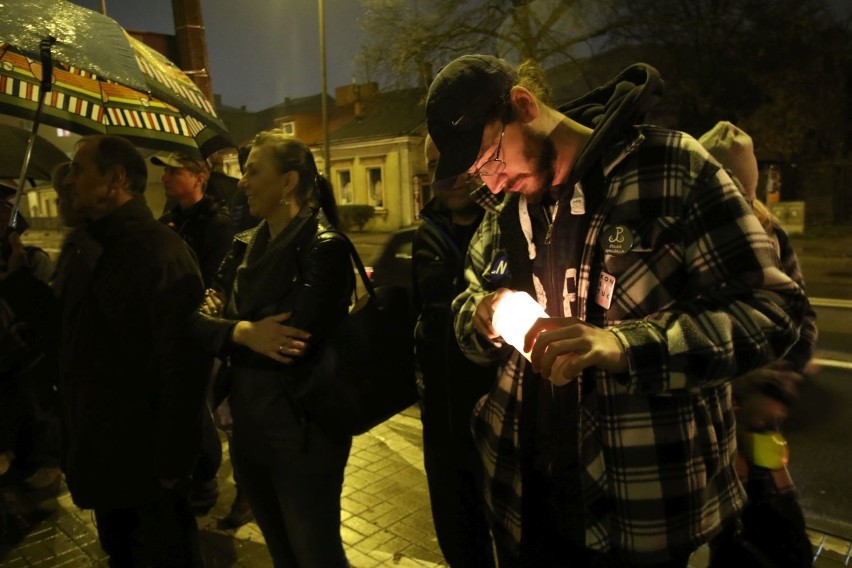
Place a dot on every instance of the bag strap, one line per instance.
(739, 536)
(356, 260)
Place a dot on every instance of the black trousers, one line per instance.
(458, 507)
(294, 486)
(210, 457)
(161, 534)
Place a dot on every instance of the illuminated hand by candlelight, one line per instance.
(563, 347)
(513, 315)
(482, 319)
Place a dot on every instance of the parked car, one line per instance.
(392, 266)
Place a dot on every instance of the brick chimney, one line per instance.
(192, 44)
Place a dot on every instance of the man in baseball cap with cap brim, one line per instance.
(647, 260)
(466, 95)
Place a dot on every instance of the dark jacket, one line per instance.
(132, 386)
(452, 383)
(223, 189)
(306, 270)
(207, 229)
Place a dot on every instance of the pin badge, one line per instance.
(616, 239)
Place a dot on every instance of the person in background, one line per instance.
(132, 386)
(29, 436)
(223, 188)
(205, 225)
(38, 261)
(762, 397)
(201, 221)
(451, 384)
(284, 286)
(615, 443)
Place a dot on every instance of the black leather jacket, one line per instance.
(306, 270)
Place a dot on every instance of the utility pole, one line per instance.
(326, 145)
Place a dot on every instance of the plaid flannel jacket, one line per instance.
(698, 299)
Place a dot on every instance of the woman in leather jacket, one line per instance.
(284, 286)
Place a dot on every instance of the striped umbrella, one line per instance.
(172, 115)
(73, 68)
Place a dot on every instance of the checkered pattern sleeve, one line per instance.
(717, 303)
(803, 350)
(476, 347)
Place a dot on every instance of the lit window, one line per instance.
(376, 194)
(344, 186)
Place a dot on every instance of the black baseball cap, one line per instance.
(465, 95)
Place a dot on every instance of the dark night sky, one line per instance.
(264, 50)
(260, 50)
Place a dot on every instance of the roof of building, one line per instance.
(387, 114)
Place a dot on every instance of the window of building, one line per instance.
(375, 188)
(288, 128)
(344, 187)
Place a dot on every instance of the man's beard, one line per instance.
(540, 151)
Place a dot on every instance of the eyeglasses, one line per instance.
(494, 165)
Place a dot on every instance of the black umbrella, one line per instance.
(13, 146)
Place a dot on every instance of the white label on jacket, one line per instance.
(606, 285)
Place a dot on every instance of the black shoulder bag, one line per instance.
(365, 369)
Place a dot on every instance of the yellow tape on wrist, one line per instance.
(767, 449)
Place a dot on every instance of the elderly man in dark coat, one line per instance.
(132, 387)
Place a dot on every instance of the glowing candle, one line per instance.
(514, 316)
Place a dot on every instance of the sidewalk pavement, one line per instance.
(386, 519)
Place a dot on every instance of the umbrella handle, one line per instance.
(46, 86)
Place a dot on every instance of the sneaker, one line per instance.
(203, 496)
(240, 514)
(44, 477)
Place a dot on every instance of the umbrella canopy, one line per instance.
(13, 143)
(103, 80)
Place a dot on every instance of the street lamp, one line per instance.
(326, 150)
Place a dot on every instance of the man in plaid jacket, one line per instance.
(615, 445)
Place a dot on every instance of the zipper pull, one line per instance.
(551, 219)
(578, 201)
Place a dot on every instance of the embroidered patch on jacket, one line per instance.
(499, 269)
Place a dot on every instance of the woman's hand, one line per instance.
(214, 303)
(271, 338)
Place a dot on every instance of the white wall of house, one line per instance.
(381, 173)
